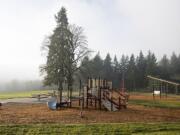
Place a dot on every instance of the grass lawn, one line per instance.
(146, 99)
(156, 103)
(21, 94)
(89, 129)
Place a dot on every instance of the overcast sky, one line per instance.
(114, 26)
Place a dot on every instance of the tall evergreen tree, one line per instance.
(55, 67)
(132, 72)
(174, 64)
(164, 66)
(151, 66)
(115, 64)
(123, 69)
(97, 66)
(141, 70)
(85, 68)
(107, 68)
(66, 46)
(116, 73)
(124, 63)
(151, 60)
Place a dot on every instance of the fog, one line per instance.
(16, 85)
(114, 26)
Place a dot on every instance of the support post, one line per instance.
(83, 99)
(119, 103)
(153, 89)
(90, 83)
(80, 93)
(160, 89)
(95, 102)
(91, 91)
(87, 97)
(111, 102)
(176, 89)
(166, 87)
(100, 100)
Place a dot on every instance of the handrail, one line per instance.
(106, 96)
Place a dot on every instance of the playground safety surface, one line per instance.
(23, 113)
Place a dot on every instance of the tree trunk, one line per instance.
(70, 83)
(68, 92)
(134, 85)
(70, 95)
(60, 88)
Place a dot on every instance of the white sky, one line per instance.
(115, 26)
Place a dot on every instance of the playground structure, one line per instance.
(160, 86)
(98, 93)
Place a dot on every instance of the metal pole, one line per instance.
(153, 87)
(176, 89)
(160, 85)
(166, 89)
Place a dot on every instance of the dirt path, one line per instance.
(39, 113)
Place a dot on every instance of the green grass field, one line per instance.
(146, 99)
(89, 129)
(21, 94)
(156, 103)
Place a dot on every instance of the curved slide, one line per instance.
(51, 105)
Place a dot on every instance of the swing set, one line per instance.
(160, 86)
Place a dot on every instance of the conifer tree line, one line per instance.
(134, 68)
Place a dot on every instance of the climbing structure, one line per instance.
(99, 94)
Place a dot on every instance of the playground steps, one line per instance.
(107, 105)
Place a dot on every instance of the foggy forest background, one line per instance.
(134, 68)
